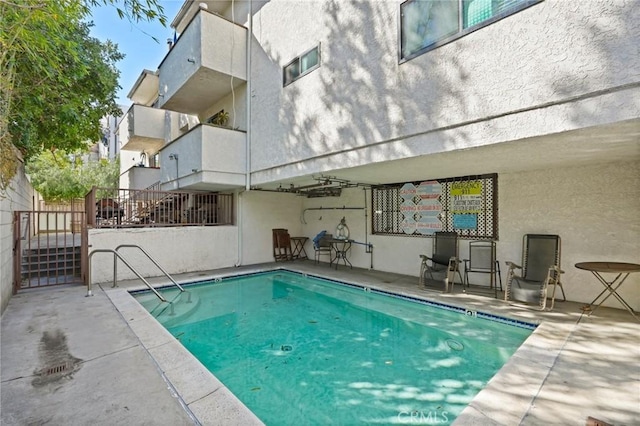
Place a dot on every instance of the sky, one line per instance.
(135, 41)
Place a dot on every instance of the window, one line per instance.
(302, 65)
(467, 205)
(427, 24)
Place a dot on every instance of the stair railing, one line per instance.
(117, 256)
(151, 259)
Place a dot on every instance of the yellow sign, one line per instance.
(466, 188)
(466, 197)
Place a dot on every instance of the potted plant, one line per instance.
(220, 119)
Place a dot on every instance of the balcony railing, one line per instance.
(125, 208)
(142, 129)
(138, 177)
(206, 158)
(209, 57)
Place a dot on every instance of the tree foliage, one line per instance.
(56, 81)
(59, 176)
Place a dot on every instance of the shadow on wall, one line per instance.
(360, 95)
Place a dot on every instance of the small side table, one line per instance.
(298, 247)
(341, 249)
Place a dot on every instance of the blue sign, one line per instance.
(465, 221)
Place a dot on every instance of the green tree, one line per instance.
(56, 81)
(60, 176)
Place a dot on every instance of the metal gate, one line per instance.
(49, 248)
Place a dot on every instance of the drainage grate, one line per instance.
(56, 372)
(57, 369)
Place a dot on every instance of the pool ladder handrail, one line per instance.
(155, 262)
(116, 256)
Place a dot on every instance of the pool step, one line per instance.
(181, 306)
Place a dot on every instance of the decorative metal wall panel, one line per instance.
(467, 205)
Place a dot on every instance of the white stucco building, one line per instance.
(542, 98)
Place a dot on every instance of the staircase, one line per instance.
(42, 266)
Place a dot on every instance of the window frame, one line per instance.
(298, 59)
(461, 31)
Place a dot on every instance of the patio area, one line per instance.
(71, 359)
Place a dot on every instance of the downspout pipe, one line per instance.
(239, 194)
(239, 224)
(248, 141)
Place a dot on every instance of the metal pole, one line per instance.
(115, 272)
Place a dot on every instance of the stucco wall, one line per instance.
(398, 254)
(18, 197)
(556, 66)
(177, 124)
(144, 122)
(206, 154)
(593, 209)
(358, 221)
(191, 249)
(235, 104)
(259, 213)
(142, 177)
(211, 47)
(223, 45)
(148, 122)
(177, 250)
(128, 159)
(175, 69)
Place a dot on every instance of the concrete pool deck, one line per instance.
(70, 359)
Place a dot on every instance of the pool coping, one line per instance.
(208, 401)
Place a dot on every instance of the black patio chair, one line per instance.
(443, 258)
(323, 247)
(540, 269)
(482, 259)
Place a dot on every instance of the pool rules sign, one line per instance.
(466, 204)
(421, 208)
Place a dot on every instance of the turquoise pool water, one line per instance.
(303, 350)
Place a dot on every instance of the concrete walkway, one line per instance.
(67, 359)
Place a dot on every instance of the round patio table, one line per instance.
(341, 249)
(622, 269)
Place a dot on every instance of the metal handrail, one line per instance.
(115, 262)
(151, 259)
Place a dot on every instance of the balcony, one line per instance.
(145, 89)
(142, 129)
(207, 158)
(209, 56)
(139, 177)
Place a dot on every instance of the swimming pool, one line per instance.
(303, 350)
